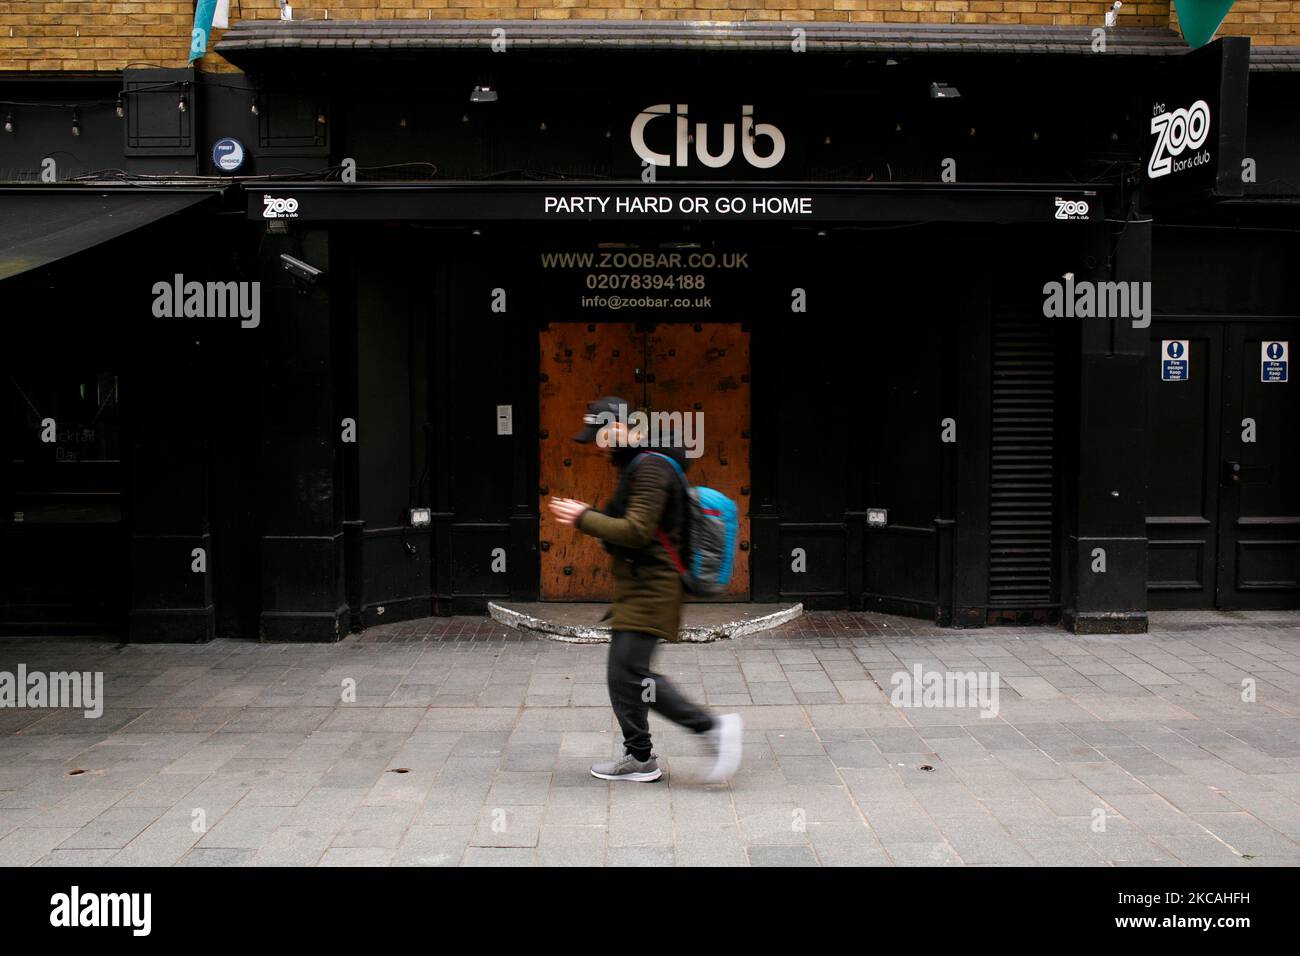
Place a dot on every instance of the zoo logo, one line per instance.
(274, 207)
(1182, 129)
(1071, 208)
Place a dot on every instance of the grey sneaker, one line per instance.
(628, 767)
(724, 743)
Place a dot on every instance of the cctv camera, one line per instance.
(301, 270)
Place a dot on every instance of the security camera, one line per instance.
(303, 271)
(1113, 13)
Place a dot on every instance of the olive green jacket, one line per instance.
(647, 587)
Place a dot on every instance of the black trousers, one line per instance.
(634, 689)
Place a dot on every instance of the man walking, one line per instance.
(649, 499)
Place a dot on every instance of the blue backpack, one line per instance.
(709, 537)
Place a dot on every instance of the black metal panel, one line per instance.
(902, 559)
(477, 551)
(295, 121)
(819, 549)
(396, 583)
(156, 125)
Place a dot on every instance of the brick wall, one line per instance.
(84, 35)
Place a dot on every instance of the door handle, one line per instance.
(1231, 472)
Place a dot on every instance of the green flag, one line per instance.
(1200, 18)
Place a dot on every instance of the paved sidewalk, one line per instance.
(469, 744)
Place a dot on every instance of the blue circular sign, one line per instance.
(1275, 350)
(1175, 349)
(228, 154)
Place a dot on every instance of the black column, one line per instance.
(963, 525)
(1110, 494)
(303, 590)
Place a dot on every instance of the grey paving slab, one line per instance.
(501, 826)
(782, 856)
(293, 846)
(112, 829)
(433, 846)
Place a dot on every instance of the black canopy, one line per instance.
(39, 226)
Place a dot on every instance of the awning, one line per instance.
(41, 225)
(259, 42)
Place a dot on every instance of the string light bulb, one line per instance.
(120, 109)
(76, 123)
(9, 123)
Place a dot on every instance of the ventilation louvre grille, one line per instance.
(1022, 453)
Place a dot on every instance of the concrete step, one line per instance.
(579, 623)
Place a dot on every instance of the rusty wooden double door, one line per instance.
(699, 370)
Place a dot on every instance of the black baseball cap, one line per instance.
(600, 413)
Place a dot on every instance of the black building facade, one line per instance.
(921, 288)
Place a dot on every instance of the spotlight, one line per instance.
(483, 94)
(942, 91)
(9, 123)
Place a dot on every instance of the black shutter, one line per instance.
(1022, 454)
